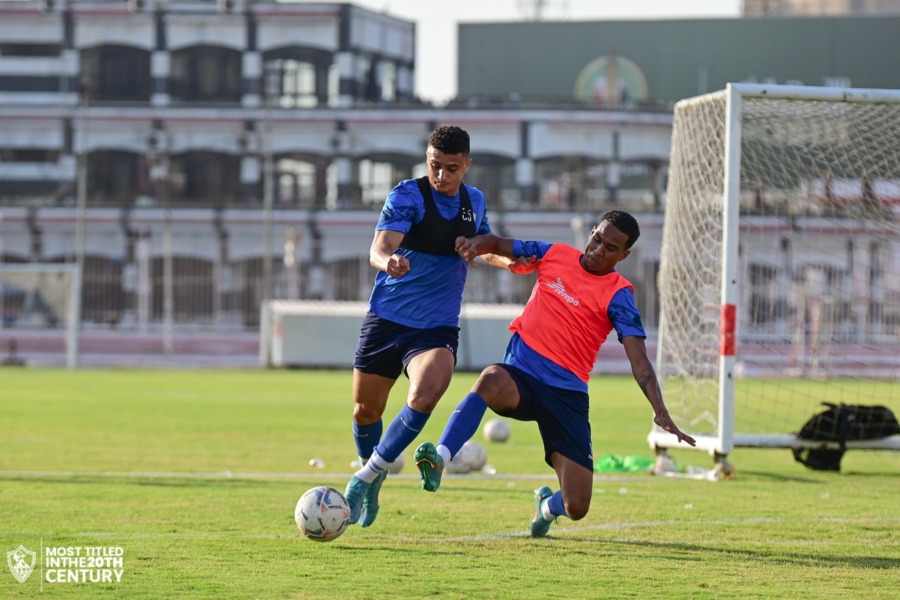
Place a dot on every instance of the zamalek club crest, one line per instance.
(21, 562)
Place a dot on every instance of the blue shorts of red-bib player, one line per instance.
(561, 415)
(385, 348)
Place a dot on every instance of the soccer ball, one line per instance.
(322, 514)
(458, 465)
(396, 466)
(476, 455)
(471, 457)
(496, 430)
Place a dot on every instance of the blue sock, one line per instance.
(366, 437)
(401, 433)
(556, 505)
(463, 423)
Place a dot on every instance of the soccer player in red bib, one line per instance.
(578, 299)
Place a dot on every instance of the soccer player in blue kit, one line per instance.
(578, 299)
(412, 325)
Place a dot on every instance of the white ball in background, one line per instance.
(396, 466)
(476, 455)
(471, 457)
(496, 430)
(459, 464)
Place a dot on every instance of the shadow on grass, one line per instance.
(778, 476)
(696, 552)
(863, 474)
(814, 476)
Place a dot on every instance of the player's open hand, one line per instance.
(524, 265)
(666, 423)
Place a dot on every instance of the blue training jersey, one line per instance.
(622, 313)
(430, 294)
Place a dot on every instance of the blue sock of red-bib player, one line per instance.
(463, 423)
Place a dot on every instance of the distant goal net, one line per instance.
(40, 299)
(780, 267)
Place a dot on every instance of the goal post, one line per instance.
(42, 296)
(780, 263)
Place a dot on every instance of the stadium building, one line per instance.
(199, 156)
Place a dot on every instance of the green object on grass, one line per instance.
(613, 463)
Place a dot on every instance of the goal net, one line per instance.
(40, 300)
(780, 264)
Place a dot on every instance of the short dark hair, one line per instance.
(450, 139)
(625, 223)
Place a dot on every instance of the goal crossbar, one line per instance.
(802, 92)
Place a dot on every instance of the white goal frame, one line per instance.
(73, 304)
(726, 439)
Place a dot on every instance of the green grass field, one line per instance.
(195, 476)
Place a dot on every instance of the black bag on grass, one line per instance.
(839, 423)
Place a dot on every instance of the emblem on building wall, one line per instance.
(611, 80)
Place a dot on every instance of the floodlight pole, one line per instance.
(268, 201)
(80, 236)
(272, 88)
(73, 319)
(158, 143)
(168, 265)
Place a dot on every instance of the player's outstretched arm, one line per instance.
(496, 251)
(485, 243)
(643, 372)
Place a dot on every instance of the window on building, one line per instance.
(298, 84)
(375, 179)
(299, 77)
(296, 186)
(207, 179)
(556, 183)
(116, 74)
(113, 178)
(496, 177)
(388, 81)
(193, 288)
(102, 295)
(765, 303)
(206, 74)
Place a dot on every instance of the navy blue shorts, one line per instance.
(561, 415)
(385, 347)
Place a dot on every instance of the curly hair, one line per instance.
(450, 139)
(625, 223)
